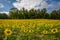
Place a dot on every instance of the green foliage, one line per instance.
(3, 16)
(23, 13)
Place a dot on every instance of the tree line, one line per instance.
(14, 13)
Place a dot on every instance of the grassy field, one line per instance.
(29, 29)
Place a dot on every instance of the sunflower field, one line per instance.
(29, 29)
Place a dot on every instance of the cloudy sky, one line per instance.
(50, 5)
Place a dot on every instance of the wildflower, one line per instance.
(31, 30)
(25, 31)
(45, 32)
(23, 27)
(7, 32)
(55, 30)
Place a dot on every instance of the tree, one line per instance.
(32, 14)
(13, 13)
(38, 14)
(54, 14)
(23, 13)
(47, 16)
(43, 12)
(3, 16)
(58, 12)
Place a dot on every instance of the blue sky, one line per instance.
(6, 5)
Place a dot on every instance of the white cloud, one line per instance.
(44, 4)
(1, 5)
(4, 12)
(18, 0)
(28, 4)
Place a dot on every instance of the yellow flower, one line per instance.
(45, 32)
(55, 30)
(25, 30)
(7, 32)
(31, 30)
(23, 27)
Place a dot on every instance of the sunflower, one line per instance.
(55, 30)
(45, 32)
(25, 30)
(31, 30)
(7, 32)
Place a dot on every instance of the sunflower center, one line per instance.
(8, 32)
(54, 30)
